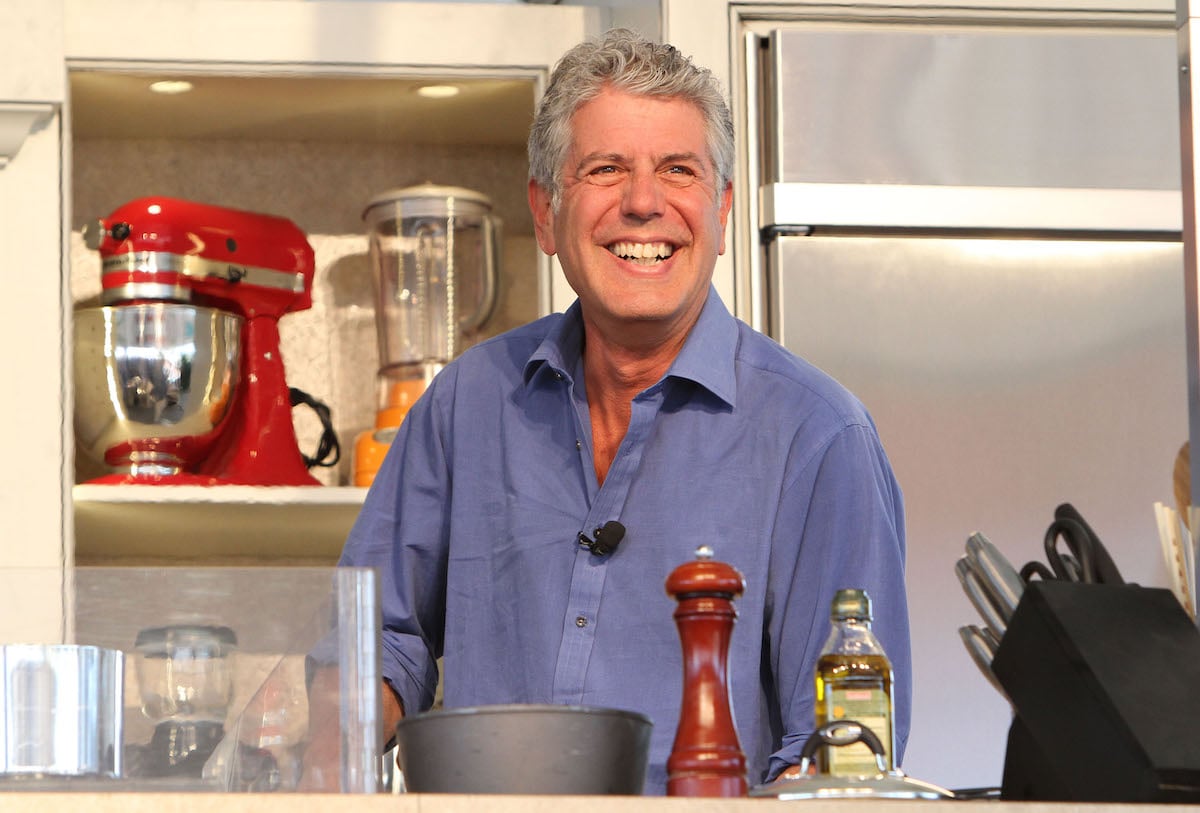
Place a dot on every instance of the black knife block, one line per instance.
(1105, 683)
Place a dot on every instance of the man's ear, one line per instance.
(543, 216)
(723, 212)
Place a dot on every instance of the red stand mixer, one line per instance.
(179, 377)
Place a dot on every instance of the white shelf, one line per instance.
(219, 525)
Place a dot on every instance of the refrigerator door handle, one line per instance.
(899, 206)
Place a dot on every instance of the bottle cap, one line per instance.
(851, 604)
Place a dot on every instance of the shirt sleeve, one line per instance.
(402, 532)
(840, 525)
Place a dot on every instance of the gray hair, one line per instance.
(627, 61)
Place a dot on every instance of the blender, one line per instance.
(433, 253)
(178, 376)
(185, 675)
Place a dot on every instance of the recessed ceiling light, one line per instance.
(171, 86)
(437, 91)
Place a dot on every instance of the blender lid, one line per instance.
(434, 196)
(155, 638)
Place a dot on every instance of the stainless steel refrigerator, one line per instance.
(974, 224)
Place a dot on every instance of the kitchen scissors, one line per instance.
(1085, 559)
(1104, 569)
(1079, 564)
(1075, 566)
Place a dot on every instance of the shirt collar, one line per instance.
(560, 350)
(706, 358)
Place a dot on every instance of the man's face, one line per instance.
(641, 218)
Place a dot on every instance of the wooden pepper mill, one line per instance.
(706, 759)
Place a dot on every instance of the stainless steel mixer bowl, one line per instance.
(153, 383)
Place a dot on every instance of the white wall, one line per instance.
(33, 484)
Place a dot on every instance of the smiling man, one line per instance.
(637, 222)
(646, 407)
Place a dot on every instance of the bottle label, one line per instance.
(870, 707)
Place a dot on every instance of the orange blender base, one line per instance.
(371, 446)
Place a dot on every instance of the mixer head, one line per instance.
(164, 249)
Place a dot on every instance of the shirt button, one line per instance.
(578, 445)
(580, 621)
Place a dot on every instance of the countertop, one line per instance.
(438, 803)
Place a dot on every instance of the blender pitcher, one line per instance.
(185, 675)
(434, 253)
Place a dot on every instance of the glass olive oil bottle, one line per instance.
(854, 682)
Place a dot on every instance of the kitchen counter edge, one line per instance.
(453, 803)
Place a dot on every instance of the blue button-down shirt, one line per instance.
(474, 517)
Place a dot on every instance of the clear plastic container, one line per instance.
(236, 679)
